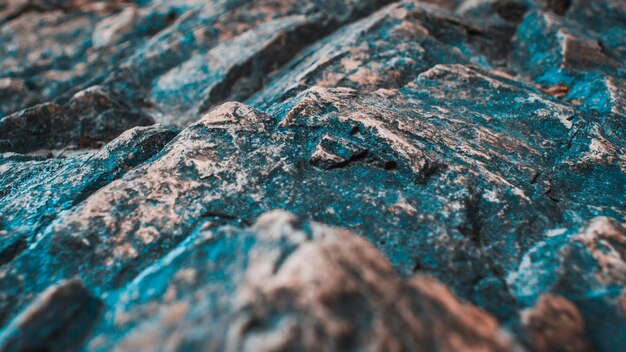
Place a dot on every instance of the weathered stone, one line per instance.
(112, 29)
(36, 189)
(47, 44)
(293, 285)
(385, 50)
(589, 269)
(474, 151)
(407, 138)
(89, 118)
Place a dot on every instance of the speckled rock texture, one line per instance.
(291, 175)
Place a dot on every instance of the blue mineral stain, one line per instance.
(222, 247)
(593, 93)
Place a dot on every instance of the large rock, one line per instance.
(167, 78)
(385, 50)
(36, 189)
(473, 150)
(292, 285)
(89, 119)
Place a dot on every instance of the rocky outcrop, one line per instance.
(292, 285)
(450, 175)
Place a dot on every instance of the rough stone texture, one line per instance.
(586, 267)
(292, 285)
(34, 191)
(451, 175)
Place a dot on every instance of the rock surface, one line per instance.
(313, 175)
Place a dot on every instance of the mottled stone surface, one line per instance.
(292, 285)
(269, 175)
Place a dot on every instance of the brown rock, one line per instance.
(555, 324)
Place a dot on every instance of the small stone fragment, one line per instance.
(332, 152)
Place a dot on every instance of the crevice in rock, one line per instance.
(571, 139)
(221, 215)
(355, 158)
(550, 195)
(535, 177)
(472, 228)
(431, 171)
(11, 252)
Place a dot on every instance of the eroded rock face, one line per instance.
(451, 174)
(292, 285)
